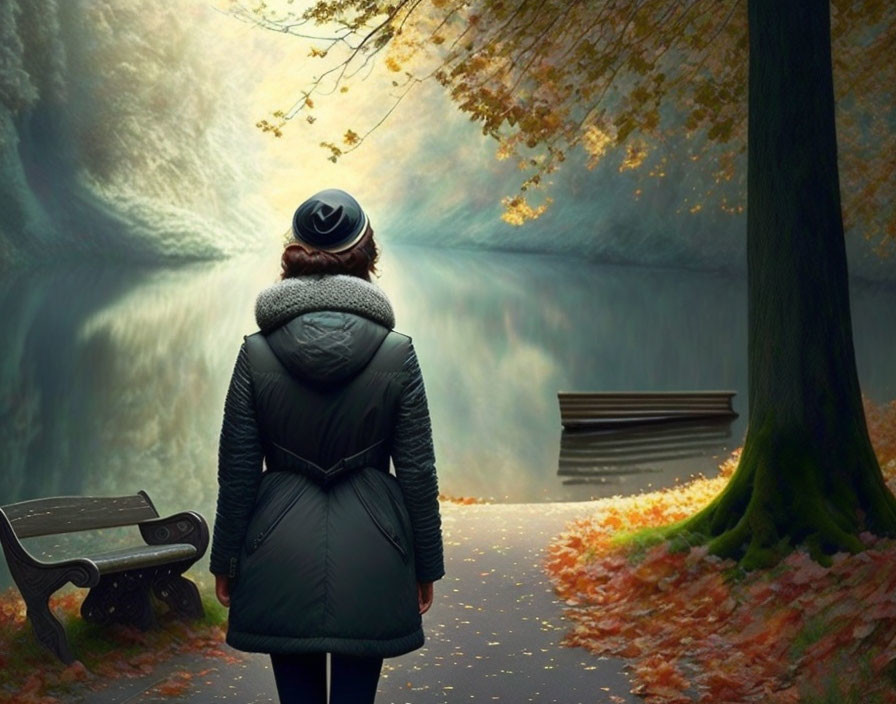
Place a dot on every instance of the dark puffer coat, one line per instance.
(325, 547)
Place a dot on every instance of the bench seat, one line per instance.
(141, 556)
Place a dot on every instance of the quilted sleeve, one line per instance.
(414, 460)
(240, 459)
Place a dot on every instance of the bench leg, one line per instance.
(39, 587)
(180, 594)
(36, 587)
(47, 628)
(121, 597)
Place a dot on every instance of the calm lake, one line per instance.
(113, 381)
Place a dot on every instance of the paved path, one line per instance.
(493, 633)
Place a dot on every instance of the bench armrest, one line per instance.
(24, 567)
(184, 527)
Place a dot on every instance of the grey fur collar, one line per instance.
(288, 298)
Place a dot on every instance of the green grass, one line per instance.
(812, 632)
(215, 612)
(638, 542)
(834, 688)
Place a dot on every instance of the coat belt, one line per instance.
(283, 459)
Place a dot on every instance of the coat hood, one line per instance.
(324, 328)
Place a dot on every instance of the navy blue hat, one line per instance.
(331, 221)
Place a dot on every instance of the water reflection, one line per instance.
(626, 456)
(500, 335)
(113, 381)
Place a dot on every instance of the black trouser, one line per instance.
(302, 678)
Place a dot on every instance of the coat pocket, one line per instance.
(376, 502)
(397, 498)
(260, 536)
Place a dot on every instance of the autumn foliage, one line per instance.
(699, 629)
(32, 676)
(462, 500)
(634, 82)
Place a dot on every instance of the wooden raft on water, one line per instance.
(597, 409)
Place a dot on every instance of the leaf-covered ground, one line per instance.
(693, 628)
(30, 675)
(699, 630)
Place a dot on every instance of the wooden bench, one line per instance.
(595, 409)
(119, 580)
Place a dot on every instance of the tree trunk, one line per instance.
(808, 473)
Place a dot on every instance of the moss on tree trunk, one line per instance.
(808, 473)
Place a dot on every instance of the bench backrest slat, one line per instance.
(68, 514)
